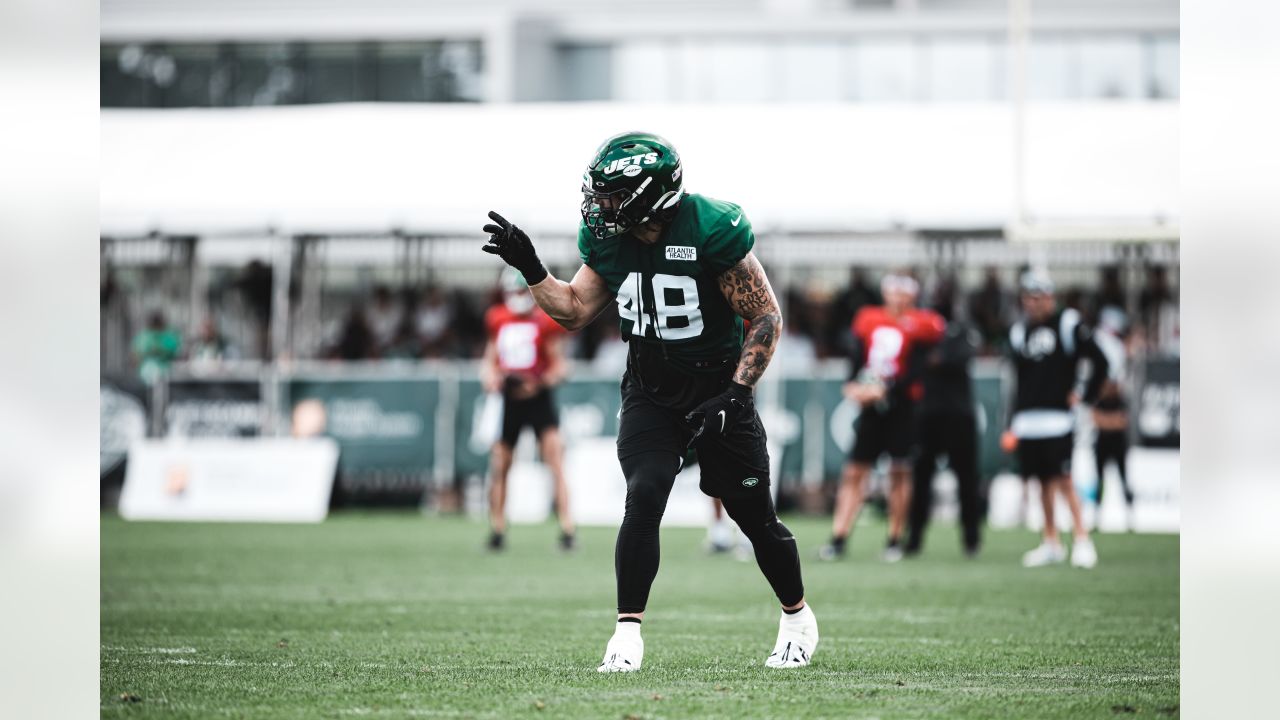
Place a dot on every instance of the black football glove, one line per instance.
(716, 416)
(515, 248)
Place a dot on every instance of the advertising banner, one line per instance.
(214, 407)
(229, 479)
(385, 429)
(1157, 411)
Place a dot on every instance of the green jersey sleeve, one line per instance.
(584, 244)
(729, 240)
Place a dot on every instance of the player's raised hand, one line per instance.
(514, 247)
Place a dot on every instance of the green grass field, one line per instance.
(399, 615)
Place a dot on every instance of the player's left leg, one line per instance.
(735, 468)
(924, 467)
(779, 561)
(499, 467)
(1121, 458)
(1083, 553)
(551, 447)
(901, 443)
(962, 456)
(899, 506)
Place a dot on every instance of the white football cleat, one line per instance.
(797, 639)
(625, 650)
(1083, 554)
(891, 554)
(1044, 554)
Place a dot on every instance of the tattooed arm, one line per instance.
(747, 289)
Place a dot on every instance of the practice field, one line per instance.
(398, 615)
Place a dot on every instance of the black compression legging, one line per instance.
(649, 479)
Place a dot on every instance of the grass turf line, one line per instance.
(399, 615)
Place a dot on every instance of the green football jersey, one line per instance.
(667, 292)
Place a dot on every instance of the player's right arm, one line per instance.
(573, 304)
(576, 303)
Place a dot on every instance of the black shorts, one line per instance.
(879, 431)
(537, 412)
(733, 464)
(1045, 458)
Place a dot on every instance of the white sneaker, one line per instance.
(797, 639)
(625, 650)
(1044, 554)
(1083, 554)
(892, 553)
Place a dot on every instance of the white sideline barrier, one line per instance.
(1154, 476)
(230, 479)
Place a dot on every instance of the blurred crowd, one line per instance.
(436, 321)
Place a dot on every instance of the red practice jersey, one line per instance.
(521, 340)
(887, 341)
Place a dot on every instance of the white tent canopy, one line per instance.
(438, 168)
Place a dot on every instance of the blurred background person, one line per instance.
(723, 536)
(210, 346)
(881, 384)
(383, 315)
(1111, 443)
(1046, 348)
(524, 360)
(433, 323)
(1159, 311)
(405, 343)
(989, 310)
(947, 426)
(857, 294)
(155, 348)
(355, 339)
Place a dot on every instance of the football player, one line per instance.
(882, 382)
(524, 360)
(1046, 347)
(681, 270)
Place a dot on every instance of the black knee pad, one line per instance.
(779, 531)
(649, 481)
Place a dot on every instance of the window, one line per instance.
(1051, 69)
(586, 72)
(642, 71)
(811, 71)
(1163, 81)
(267, 74)
(962, 70)
(885, 71)
(1111, 68)
(334, 74)
(247, 74)
(125, 76)
(738, 72)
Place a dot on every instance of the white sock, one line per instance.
(627, 629)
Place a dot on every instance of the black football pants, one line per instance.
(650, 477)
(956, 436)
(1113, 447)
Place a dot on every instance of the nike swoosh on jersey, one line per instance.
(722, 422)
(736, 220)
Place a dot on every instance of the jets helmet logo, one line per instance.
(626, 163)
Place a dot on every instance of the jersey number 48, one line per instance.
(665, 287)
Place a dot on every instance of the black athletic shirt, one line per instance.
(944, 367)
(1046, 358)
